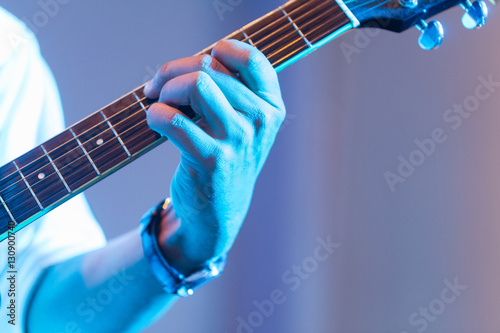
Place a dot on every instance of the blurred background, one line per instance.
(422, 255)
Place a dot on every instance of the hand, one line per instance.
(236, 90)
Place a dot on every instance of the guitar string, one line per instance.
(297, 39)
(285, 18)
(109, 129)
(269, 26)
(115, 149)
(136, 103)
(295, 32)
(73, 140)
(321, 36)
(107, 153)
(370, 2)
(68, 165)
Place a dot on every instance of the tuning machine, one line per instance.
(431, 36)
(475, 15)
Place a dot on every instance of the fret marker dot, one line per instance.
(99, 142)
(41, 175)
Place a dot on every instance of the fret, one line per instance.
(273, 33)
(321, 25)
(268, 23)
(28, 185)
(85, 152)
(293, 42)
(247, 37)
(100, 143)
(140, 102)
(320, 21)
(116, 134)
(314, 33)
(41, 177)
(296, 27)
(130, 122)
(347, 12)
(145, 102)
(285, 42)
(5, 211)
(316, 20)
(126, 106)
(5, 217)
(71, 160)
(16, 195)
(55, 168)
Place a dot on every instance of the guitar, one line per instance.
(107, 140)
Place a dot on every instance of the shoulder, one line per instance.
(14, 35)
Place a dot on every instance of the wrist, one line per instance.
(177, 274)
(180, 244)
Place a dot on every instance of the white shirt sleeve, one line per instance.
(30, 113)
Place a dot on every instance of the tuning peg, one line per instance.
(431, 36)
(475, 14)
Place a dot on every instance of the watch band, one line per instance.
(172, 281)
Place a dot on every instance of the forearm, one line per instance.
(111, 289)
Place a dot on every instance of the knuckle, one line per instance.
(214, 158)
(244, 136)
(164, 70)
(206, 62)
(223, 155)
(262, 118)
(176, 121)
(201, 80)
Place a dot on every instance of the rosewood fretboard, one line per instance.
(90, 150)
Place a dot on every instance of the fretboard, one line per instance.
(87, 152)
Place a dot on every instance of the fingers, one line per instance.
(209, 85)
(202, 93)
(255, 70)
(239, 96)
(188, 137)
(228, 56)
(170, 70)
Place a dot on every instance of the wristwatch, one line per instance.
(172, 281)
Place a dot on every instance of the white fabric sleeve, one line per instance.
(30, 113)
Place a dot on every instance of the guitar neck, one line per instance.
(92, 149)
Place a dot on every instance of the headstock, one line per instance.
(400, 15)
